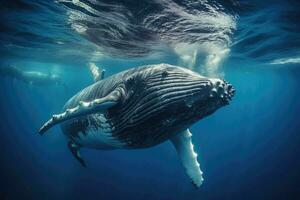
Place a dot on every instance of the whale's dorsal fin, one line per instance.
(185, 149)
(98, 73)
(84, 108)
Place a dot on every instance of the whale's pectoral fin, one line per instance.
(84, 108)
(98, 73)
(185, 149)
(74, 148)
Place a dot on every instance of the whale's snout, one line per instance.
(222, 89)
(230, 90)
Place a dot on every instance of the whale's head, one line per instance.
(179, 96)
(163, 99)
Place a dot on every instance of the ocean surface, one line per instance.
(248, 150)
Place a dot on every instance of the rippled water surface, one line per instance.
(247, 150)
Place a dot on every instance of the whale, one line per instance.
(31, 77)
(141, 108)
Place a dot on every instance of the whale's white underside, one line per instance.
(100, 138)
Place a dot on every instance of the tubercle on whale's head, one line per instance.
(221, 91)
(212, 94)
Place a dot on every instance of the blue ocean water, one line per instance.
(247, 150)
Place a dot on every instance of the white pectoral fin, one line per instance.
(98, 73)
(84, 108)
(185, 149)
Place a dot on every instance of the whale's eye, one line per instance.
(130, 82)
(164, 74)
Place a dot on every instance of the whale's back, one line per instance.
(104, 87)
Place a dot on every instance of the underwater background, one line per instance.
(247, 150)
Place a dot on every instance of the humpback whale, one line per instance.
(142, 107)
(31, 77)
